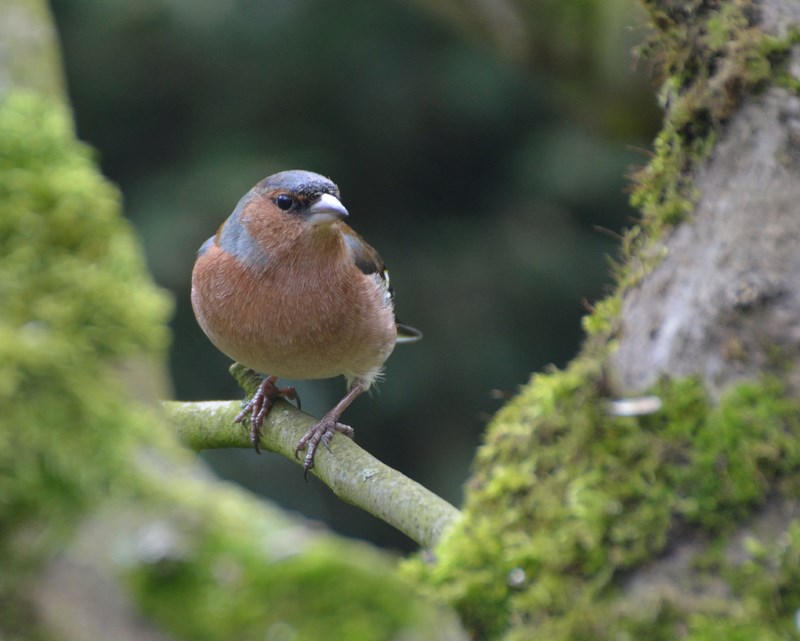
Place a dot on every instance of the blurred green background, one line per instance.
(482, 147)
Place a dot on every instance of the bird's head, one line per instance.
(310, 197)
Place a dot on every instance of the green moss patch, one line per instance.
(566, 502)
(238, 570)
(74, 299)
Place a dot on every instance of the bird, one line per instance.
(288, 289)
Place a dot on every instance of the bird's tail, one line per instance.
(407, 334)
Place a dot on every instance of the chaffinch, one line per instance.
(285, 287)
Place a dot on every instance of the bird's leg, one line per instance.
(324, 430)
(258, 406)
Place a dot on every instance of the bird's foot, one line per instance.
(258, 406)
(322, 432)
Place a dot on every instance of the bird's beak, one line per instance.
(326, 209)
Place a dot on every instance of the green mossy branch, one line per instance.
(350, 472)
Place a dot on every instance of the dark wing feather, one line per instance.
(369, 261)
(365, 257)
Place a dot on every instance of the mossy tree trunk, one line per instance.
(721, 203)
(584, 523)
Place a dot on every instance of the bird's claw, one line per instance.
(259, 405)
(322, 432)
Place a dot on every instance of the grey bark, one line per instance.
(724, 303)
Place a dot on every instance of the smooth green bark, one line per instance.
(353, 474)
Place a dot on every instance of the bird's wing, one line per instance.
(369, 261)
(365, 257)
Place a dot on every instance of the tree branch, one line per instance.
(353, 474)
(29, 57)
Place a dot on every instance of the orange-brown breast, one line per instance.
(309, 312)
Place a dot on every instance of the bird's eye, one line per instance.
(284, 201)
